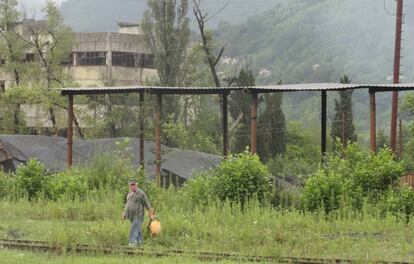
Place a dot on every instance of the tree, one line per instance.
(272, 126)
(51, 41)
(167, 30)
(240, 110)
(12, 51)
(342, 125)
(207, 42)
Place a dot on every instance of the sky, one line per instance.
(33, 8)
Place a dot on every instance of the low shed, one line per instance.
(177, 165)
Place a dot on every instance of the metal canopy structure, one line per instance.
(310, 87)
(323, 88)
(146, 89)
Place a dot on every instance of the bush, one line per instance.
(351, 175)
(399, 201)
(237, 179)
(197, 190)
(6, 184)
(104, 171)
(68, 184)
(32, 178)
(241, 177)
(327, 190)
(373, 172)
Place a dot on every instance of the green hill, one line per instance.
(319, 41)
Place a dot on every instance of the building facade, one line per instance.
(120, 58)
(111, 58)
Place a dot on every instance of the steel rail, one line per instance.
(42, 246)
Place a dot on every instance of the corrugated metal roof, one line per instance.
(150, 89)
(259, 89)
(307, 87)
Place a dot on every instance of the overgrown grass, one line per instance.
(17, 257)
(84, 205)
(216, 227)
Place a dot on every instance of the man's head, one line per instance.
(133, 185)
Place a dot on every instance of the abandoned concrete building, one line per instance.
(101, 58)
(120, 58)
(111, 58)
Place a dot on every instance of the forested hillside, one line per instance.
(319, 41)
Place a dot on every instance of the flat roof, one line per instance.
(148, 89)
(225, 90)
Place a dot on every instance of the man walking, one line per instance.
(137, 202)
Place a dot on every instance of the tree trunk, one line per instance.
(111, 124)
(16, 119)
(78, 127)
(53, 120)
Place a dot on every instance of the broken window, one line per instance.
(91, 58)
(125, 59)
(133, 60)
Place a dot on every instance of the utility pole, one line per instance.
(396, 79)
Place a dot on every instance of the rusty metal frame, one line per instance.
(373, 120)
(224, 92)
(253, 123)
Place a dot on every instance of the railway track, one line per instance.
(41, 246)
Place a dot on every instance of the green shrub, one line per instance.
(241, 177)
(372, 172)
(327, 190)
(106, 171)
(399, 201)
(6, 184)
(69, 184)
(350, 176)
(32, 178)
(197, 190)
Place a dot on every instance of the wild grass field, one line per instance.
(218, 228)
(19, 257)
(352, 208)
